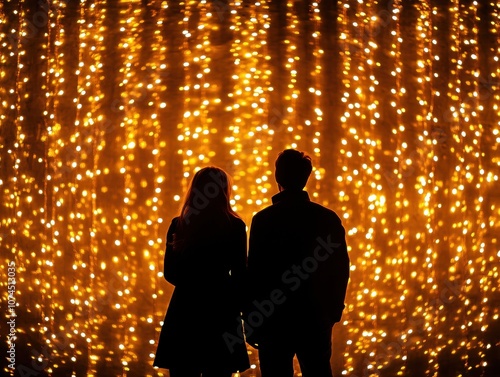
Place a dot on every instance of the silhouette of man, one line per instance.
(298, 269)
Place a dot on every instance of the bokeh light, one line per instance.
(109, 107)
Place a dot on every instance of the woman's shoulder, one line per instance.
(173, 225)
(237, 222)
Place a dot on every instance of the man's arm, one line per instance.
(255, 282)
(332, 276)
(342, 278)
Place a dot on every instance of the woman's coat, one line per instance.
(202, 328)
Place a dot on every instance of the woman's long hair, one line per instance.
(206, 209)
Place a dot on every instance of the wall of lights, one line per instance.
(109, 107)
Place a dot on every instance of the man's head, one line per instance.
(293, 169)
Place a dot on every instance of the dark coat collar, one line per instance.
(291, 195)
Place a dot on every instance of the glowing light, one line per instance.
(108, 110)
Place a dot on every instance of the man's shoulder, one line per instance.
(263, 213)
(325, 213)
(314, 208)
(324, 210)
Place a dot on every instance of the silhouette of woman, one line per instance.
(205, 260)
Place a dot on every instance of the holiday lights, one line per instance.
(91, 137)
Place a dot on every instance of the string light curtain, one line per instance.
(109, 107)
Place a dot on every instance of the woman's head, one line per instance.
(208, 192)
(206, 209)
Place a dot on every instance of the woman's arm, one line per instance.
(171, 261)
(239, 262)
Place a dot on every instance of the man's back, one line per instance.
(298, 265)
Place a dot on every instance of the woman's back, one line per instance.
(205, 260)
(209, 257)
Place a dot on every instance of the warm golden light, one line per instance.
(107, 111)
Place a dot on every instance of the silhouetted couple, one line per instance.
(289, 294)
